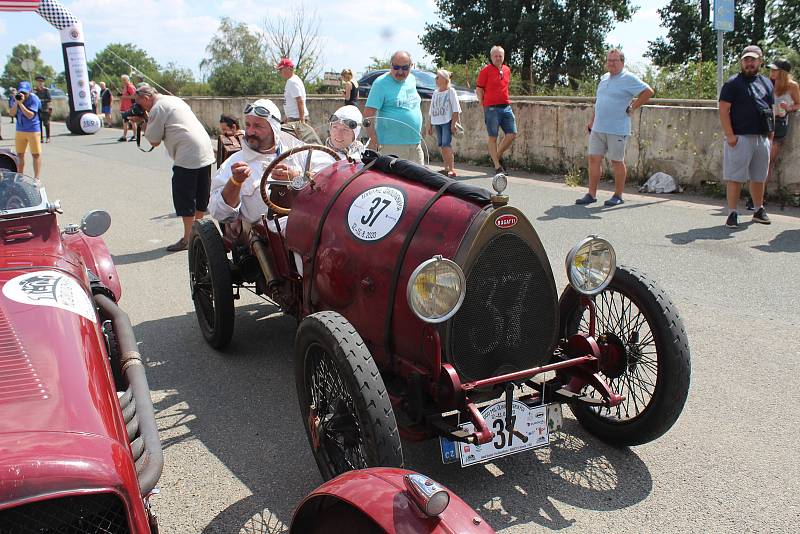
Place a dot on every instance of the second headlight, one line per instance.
(591, 265)
(436, 289)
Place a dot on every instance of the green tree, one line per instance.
(13, 73)
(552, 42)
(117, 59)
(236, 62)
(174, 79)
(784, 23)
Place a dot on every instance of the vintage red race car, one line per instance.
(427, 308)
(79, 446)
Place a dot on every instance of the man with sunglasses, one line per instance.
(235, 188)
(492, 90)
(394, 99)
(171, 120)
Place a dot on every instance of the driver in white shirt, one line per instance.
(235, 188)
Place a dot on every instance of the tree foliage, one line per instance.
(295, 36)
(552, 42)
(117, 59)
(13, 73)
(237, 64)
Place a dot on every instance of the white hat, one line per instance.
(274, 119)
(352, 113)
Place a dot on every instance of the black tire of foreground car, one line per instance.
(343, 401)
(636, 318)
(210, 279)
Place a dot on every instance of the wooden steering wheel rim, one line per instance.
(264, 184)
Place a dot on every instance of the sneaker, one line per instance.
(749, 204)
(121, 139)
(133, 138)
(586, 199)
(760, 216)
(179, 245)
(499, 170)
(733, 220)
(613, 201)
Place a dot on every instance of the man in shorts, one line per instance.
(492, 91)
(126, 98)
(106, 98)
(745, 105)
(619, 94)
(171, 120)
(29, 127)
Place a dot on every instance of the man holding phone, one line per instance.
(26, 108)
(619, 94)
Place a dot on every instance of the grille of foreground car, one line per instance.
(507, 321)
(100, 513)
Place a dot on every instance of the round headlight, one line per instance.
(590, 265)
(436, 289)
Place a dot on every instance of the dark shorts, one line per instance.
(107, 109)
(190, 189)
(496, 117)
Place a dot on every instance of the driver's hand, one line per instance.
(241, 171)
(284, 172)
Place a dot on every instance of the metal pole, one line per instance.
(719, 61)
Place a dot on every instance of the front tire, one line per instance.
(211, 285)
(343, 401)
(646, 358)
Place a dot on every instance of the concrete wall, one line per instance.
(685, 142)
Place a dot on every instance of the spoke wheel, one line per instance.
(210, 283)
(644, 358)
(343, 401)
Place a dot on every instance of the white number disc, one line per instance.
(375, 213)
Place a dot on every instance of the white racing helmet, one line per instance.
(266, 109)
(349, 114)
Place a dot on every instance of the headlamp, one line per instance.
(436, 289)
(591, 265)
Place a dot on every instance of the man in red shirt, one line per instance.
(492, 90)
(126, 99)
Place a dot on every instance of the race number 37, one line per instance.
(375, 213)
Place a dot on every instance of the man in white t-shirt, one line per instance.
(294, 93)
(171, 120)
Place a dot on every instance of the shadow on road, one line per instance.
(574, 211)
(786, 241)
(242, 407)
(712, 233)
(140, 257)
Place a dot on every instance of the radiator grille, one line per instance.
(508, 319)
(101, 513)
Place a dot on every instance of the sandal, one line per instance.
(179, 245)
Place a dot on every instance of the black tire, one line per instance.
(335, 373)
(17, 196)
(210, 283)
(653, 369)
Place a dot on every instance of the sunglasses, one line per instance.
(401, 67)
(261, 111)
(350, 123)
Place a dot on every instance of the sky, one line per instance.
(352, 30)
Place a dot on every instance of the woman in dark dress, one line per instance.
(350, 88)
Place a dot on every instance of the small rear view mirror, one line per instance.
(95, 223)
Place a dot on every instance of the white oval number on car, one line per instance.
(375, 212)
(50, 288)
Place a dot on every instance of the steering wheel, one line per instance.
(297, 183)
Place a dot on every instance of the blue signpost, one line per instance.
(724, 11)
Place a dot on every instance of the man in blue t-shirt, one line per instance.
(26, 108)
(745, 107)
(619, 94)
(394, 99)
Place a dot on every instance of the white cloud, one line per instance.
(46, 41)
(2, 26)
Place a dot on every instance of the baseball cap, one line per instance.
(25, 87)
(39, 77)
(752, 51)
(781, 64)
(285, 62)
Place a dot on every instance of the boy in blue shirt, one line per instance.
(610, 126)
(26, 108)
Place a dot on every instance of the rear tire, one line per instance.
(653, 371)
(210, 283)
(343, 401)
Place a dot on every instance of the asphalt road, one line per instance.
(237, 458)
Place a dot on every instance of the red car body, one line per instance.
(65, 444)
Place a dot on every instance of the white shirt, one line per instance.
(172, 121)
(443, 105)
(251, 206)
(294, 88)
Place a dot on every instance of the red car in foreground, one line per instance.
(79, 446)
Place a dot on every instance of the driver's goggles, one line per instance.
(261, 111)
(350, 123)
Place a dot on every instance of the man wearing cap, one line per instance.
(619, 94)
(294, 96)
(745, 112)
(45, 109)
(26, 108)
(394, 99)
(235, 188)
(171, 120)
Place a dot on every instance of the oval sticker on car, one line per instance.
(505, 221)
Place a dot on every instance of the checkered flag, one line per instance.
(56, 14)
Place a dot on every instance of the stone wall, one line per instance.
(683, 141)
